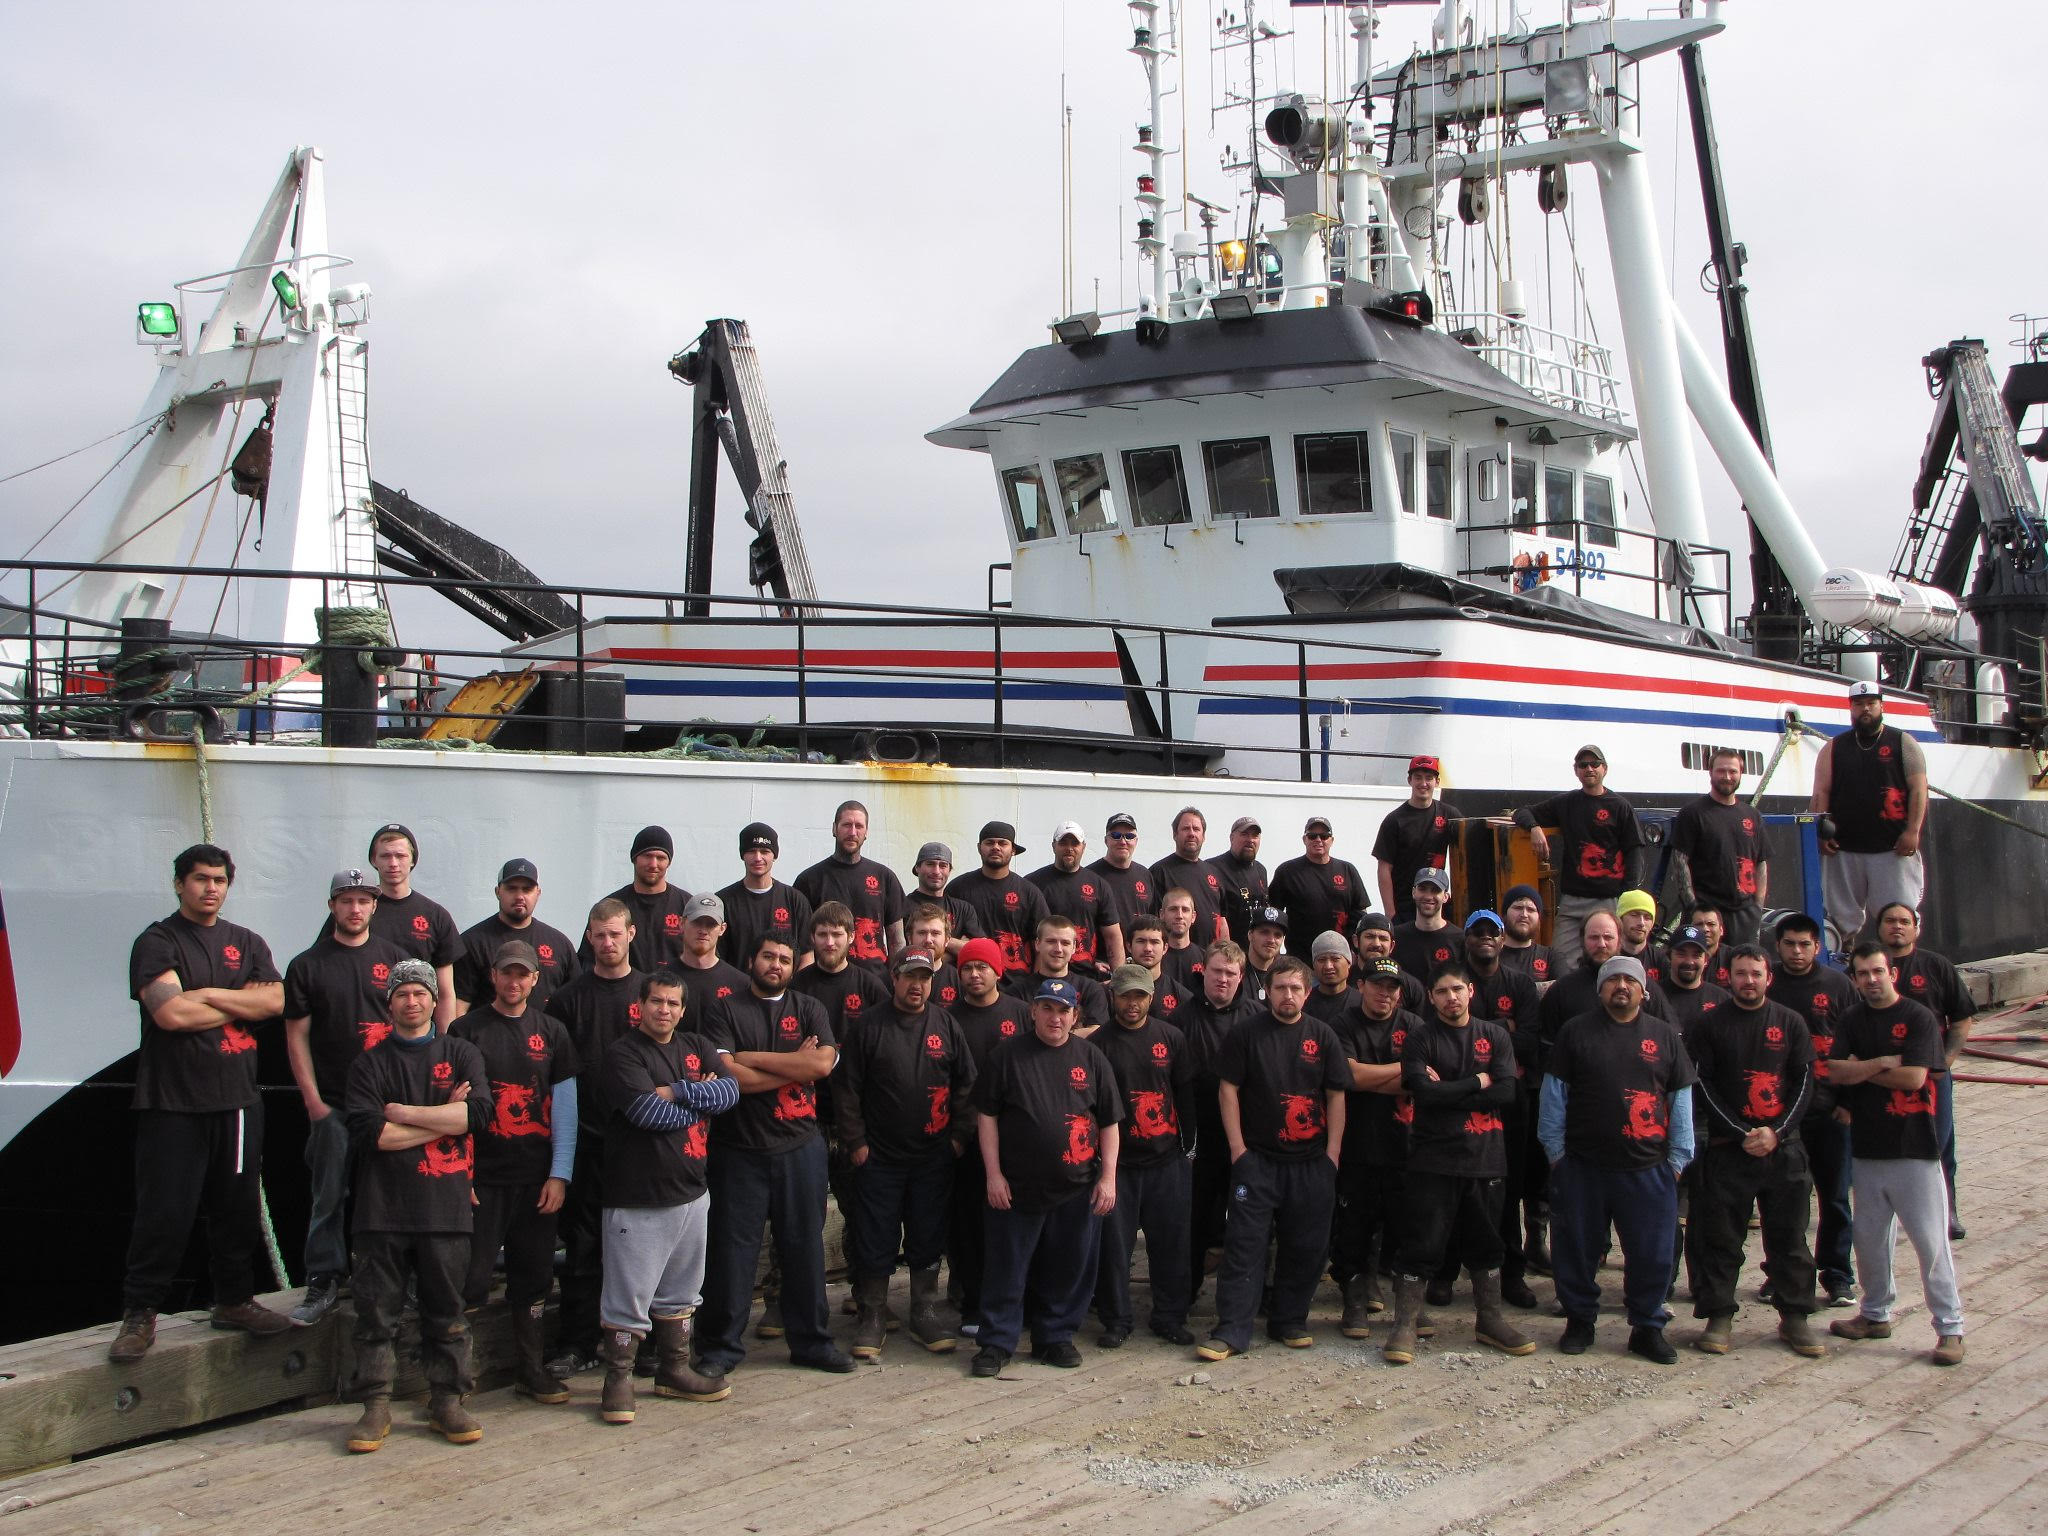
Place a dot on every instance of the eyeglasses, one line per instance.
(1123, 837)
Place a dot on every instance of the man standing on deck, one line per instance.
(1320, 894)
(988, 1018)
(1692, 997)
(1870, 783)
(1007, 906)
(518, 894)
(1050, 1111)
(1427, 940)
(599, 1006)
(757, 902)
(201, 982)
(1718, 854)
(656, 907)
(1243, 877)
(1185, 869)
(1820, 995)
(415, 1105)
(1599, 854)
(1128, 882)
(709, 978)
(525, 1156)
(1887, 1051)
(1413, 835)
(1929, 980)
(333, 1012)
(416, 924)
(1375, 941)
(870, 891)
(1184, 957)
(1081, 894)
(1207, 1021)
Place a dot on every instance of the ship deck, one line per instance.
(1149, 1440)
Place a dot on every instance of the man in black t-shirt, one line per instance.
(1375, 941)
(1717, 853)
(1636, 912)
(1755, 1065)
(1820, 995)
(1051, 959)
(1155, 1071)
(518, 894)
(1050, 1111)
(709, 979)
(1521, 910)
(988, 1018)
(768, 1164)
(1691, 996)
(1459, 1072)
(1081, 894)
(416, 924)
(661, 1086)
(1145, 942)
(599, 1006)
(870, 891)
(757, 902)
(1599, 853)
(200, 983)
(525, 1156)
(1870, 791)
(415, 1105)
(1184, 957)
(1128, 882)
(928, 929)
(1886, 1057)
(1929, 980)
(1006, 905)
(655, 905)
(1377, 1115)
(1510, 998)
(933, 872)
(1185, 869)
(1414, 834)
(1207, 1021)
(1266, 935)
(1428, 939)
(1283, 1076)
(333, 1012)
(1616, 1124)
(901, 1103)
(1333, 998)
(1243, 877)
(1320, 894)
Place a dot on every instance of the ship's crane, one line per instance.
(730, 407)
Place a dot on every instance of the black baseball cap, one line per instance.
(1373, 920)
(518, 869)
(1267, 917)
(1691, 934)
(1384, 968)
(1003, 830)
(1122, 821)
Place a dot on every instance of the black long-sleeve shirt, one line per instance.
(1458, 1129)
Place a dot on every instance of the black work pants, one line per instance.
(1826, 1141)
(1293, 1196)
(1041, 1271)
(1641, 1205)
(508, 1216)
(1209, 1195)
(439, 1261)
(1515, 1118)
(1367, 1232)
(1153, 1200)
(1447, 1221)
(965, 1241)
(899, 1204)
(581, 1226)
(187, 1165)
(753, 1194)
(1727, 1184)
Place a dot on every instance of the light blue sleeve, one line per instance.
(1550, 1119)
(563, 1111)
(1681, 1129)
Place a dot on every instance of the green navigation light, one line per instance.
(287, 290)
(157, 319)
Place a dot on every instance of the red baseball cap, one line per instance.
(1424, 763)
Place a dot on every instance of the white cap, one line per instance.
(1069, 829)
(1865, 690)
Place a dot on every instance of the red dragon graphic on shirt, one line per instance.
(1301, 1117)
(1596, 863)
(1152, 1115)
(1892, 805)
(372, 1033)
(1482, 1122)
(867, 938)
(1645, 1118)
(513, 1111)
(1745, 877)
(1012, 946)
(446, 1157)
(1911, 1101)
(940, 1098)
(697, 1141)
(1763, 1103)
(234, 1040)
(1404, 1110)
(1080, 1142)
(796, 1101)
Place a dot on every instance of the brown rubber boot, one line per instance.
(925, 1325)
(1490, 1324)
(871, 1292)
(372, 1427)
(534, 1380)
(1399, 1348)
(673, 1377)
(138, 1332)
(617, 1347)
(1796, 1333)
(1357, 1308)
(1375, 1300)
(449, 1419)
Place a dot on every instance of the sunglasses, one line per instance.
(1123, 837)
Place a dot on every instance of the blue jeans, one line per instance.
(327, 1164)
(1641, 1204)
(1945, 1134)
(1827, 1158)
(1053, 1252)
(751, 1192)
(1158, 1201)
(899, 1201)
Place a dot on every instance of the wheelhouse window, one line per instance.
(1240, 471)
(1085, 494)
(1332, 469)
(1597, 491)
(1403, 444)
(1436, 499)
(1522, 493)
(1557, 499)
(1030, 511)
(1159, 493)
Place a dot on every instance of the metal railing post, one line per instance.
(1166, 700)
(1301, 709)
(582, 707)
(803, 702)
(1002, 753)
(31, 684)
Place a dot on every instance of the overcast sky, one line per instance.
(549, 202)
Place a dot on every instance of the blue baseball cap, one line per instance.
(1057, 990)
(1486, 915)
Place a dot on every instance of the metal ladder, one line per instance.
(357, 535)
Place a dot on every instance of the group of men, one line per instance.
(1011, 1078)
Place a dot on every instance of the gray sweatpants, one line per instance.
(654, 1262)
(1856, 885)
(1891, 1192)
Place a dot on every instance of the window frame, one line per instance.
(1104, 493)
(1272, 480)
(1361, 441)
(1048, 513)
(1138, 519)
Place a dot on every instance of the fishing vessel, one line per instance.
(1348, 481)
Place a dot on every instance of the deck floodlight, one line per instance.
(1306, 131)
(1151, 331)
(1234, 305)
(1075, 329)
(156, 321)
(1232, 253)
(287, 290)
